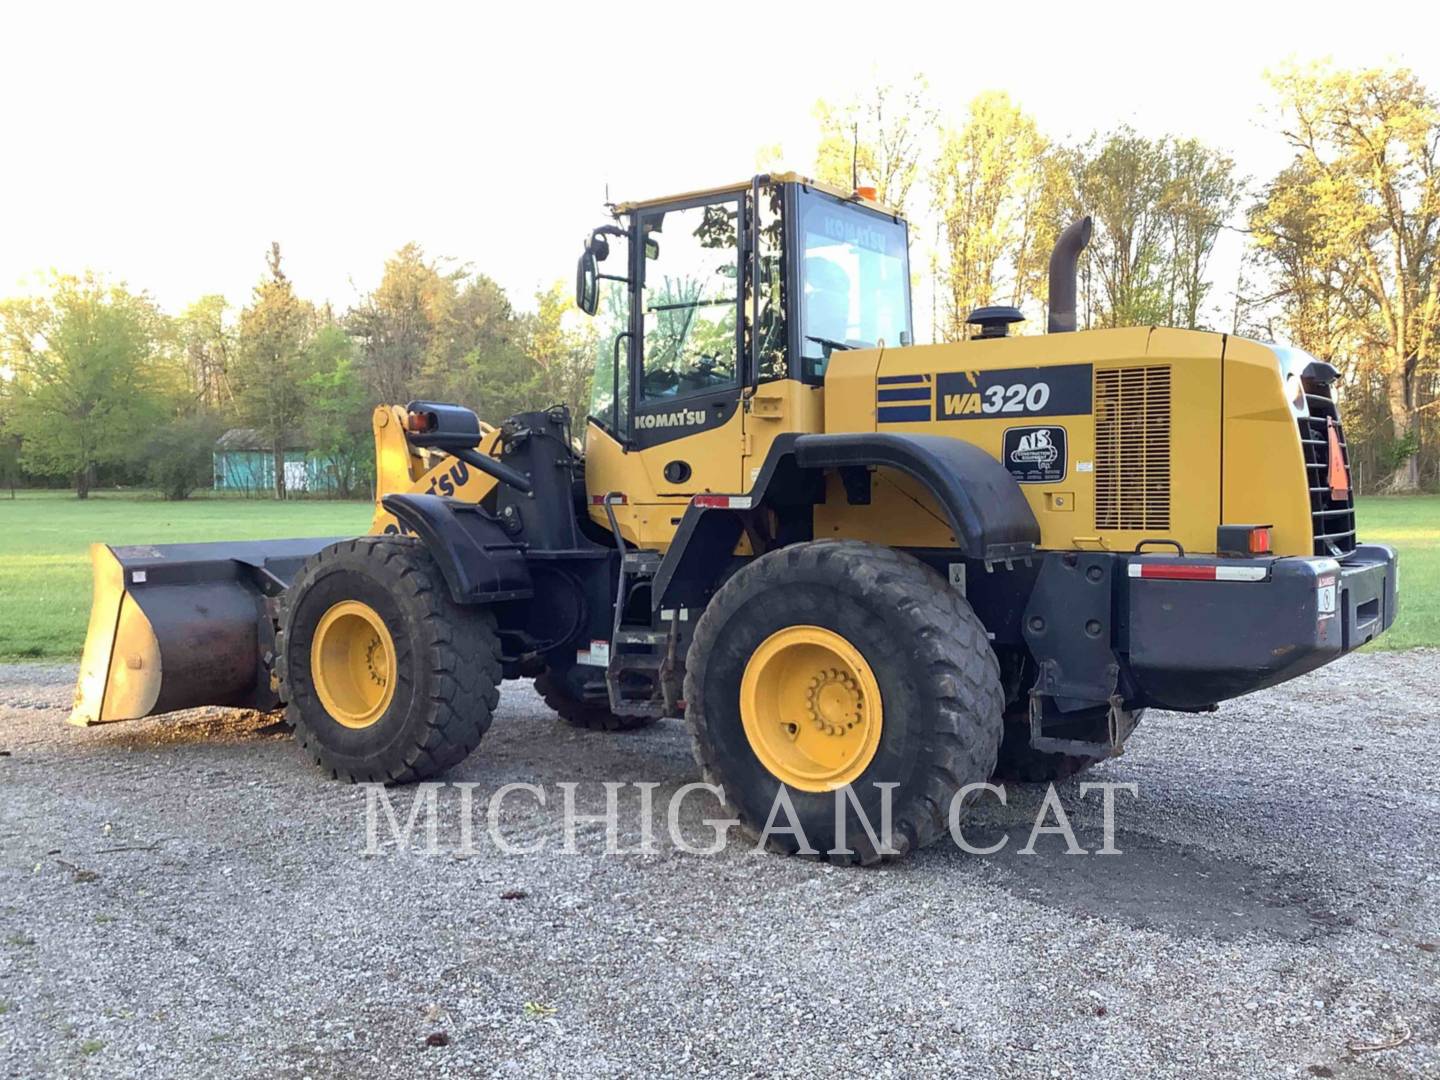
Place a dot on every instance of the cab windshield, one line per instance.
(854, 281)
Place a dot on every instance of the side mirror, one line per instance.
(587, 283)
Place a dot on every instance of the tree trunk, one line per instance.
(84, 477)
(279, 454)
(1404, 422)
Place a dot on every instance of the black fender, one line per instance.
(984, 506)
(987, 511)
(480, 562)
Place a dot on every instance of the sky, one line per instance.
(168, 145)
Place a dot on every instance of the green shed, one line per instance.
(244, 462)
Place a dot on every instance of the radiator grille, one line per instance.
(1132, 448)
(1332, 520)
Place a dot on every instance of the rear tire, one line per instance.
(918, 642)
(443, 675)
(561, 695)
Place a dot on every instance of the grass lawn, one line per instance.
(1411, 525)
(45, 567)
(45, 540)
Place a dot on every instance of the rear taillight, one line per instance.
(1238, 541)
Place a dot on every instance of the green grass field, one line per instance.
(1410, 524)
(45, 568)
(45, 539)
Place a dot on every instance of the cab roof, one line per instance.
(744, 185)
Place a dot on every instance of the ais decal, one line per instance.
(1035, 455)
(1062, 390)
(678, 418)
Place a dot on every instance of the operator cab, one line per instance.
(703, 298)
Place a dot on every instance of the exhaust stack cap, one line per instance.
(994, 322)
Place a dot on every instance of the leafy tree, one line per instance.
(89, 375)
(398, 326)
(1202, 194)
(429, 331)
(993, 196)
(9, 441)
(179, 455)
(1352, 230)
(563, 355)
(338, 420)
(207, 347)
(270, 362)
(481, 361)
(1121, 179)
(879, 139)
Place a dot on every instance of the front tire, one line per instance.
(871, 671)
(385, 678)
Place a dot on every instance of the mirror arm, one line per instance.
(604, 230)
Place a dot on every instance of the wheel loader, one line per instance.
(849, 562)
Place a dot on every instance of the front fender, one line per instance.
(480, 562)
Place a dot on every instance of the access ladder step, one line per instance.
(639, 708)
(642, 637)
(644, 662)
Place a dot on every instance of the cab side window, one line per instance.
(690, 301)
(770, 349)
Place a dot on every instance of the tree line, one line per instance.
(1342, 246)
(1341, 250)
(102, 384)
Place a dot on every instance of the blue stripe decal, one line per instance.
(887, 380)
(909, 393)
(899, 414)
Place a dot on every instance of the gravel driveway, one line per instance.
(189, 897)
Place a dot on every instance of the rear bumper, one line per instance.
(1191, 643)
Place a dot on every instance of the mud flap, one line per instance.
(182, 625)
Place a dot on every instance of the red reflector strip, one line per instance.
(722, 502)
(615, 500)
(1185, 572)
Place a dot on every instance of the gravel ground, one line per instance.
(188, 897)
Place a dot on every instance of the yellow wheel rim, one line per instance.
(811, 708)
(352, 663)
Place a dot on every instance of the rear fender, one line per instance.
(988, 514)
(984, 506)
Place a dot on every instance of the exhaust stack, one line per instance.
(1063, 261)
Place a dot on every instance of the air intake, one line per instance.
(1132, 448)
(994, 321)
